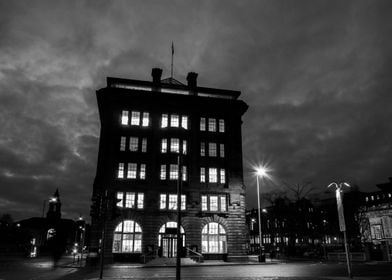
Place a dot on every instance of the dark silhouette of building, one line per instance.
(145, 127)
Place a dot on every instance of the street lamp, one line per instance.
(261, 172)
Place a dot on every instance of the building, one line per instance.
(376, 222)
(145, 127)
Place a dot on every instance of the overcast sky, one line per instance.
(316, 74)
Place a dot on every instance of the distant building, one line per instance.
(145, 127)
(376, 221)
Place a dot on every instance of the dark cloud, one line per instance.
(316, 75)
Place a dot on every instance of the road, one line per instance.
(43, 270)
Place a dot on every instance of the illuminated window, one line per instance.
(144, 145)
(212, 149)
(222, 176)
(211, 125)
(127, 238)
(202, 175)
(184, 173)
(124, 118)
(122, 143)
(130, 200)
(212, 175)
(135, 118)
(132, 170)
(164, 145)
(213, 203)
(221, 125)
(146, 119)
(120, 196)
(184, 122)
(133, 144)
(184, 147)
(223, 204)
(140, 201)
(376, 231)
(164, 120)
(163, 172)
(120, 170)
(162, 203)
(142, 173)
(202, 124)
(173, 172)
(171, 200)
(213, 238)
(222, 150)
(204, 203)
(202, 149)
(174, 145)
(174, 120)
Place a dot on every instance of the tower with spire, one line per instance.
(54, 209)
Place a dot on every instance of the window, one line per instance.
(221, 125)
(120, 170)
(214, 203)
(135, 118)
(212, 149)
(127, 238)
(164, 145)
(213, 238)
(202, 149)
(130, 200)
(144, 145)
(202, 124)
(376, 231)
(142, 173)
(174, 145)
(212, 175)
(211, 125)
(222, 176)
(184, 122)
(122, 143)
(174, 120)
(171, 200)
(124, 118)
(173, 172)
(202, 175)
(222, 150)
(204, 203)
(163, 172)
(133, 144)
(146, 119)
(164, 120)
(140, 201)
(184, 173)
(132, 167)
(184, 147)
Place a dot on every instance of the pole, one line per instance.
(104, 203)
(179, 180)
(258, 208)
(347, 255)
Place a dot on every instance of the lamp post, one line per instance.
(260, 172)
(342, 223)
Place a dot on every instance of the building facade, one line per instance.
(146, 126)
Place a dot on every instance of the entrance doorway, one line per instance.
(167, 239)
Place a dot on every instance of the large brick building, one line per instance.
(145, 126)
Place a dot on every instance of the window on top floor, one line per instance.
(174, 120)
(202, 124)
(164, 120)
(146, 119)
(221, 125)
(211, 125)
(135, 118)
(184, 122)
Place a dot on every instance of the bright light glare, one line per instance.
(53, 199)
(262, 171)
(346, 184)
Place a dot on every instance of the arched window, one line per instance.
(169, 230)
(127, 238)
(213, 238)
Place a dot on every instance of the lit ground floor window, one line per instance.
(127, 237)
(213, 238)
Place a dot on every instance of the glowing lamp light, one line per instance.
(261, 171)
(53, 199)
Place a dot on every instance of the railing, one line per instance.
(196, 256)
(149, 256)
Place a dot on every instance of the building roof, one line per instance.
(171, 81)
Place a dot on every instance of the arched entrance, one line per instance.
(167, 239)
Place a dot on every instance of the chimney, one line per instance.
(192, 80)
(156, 74)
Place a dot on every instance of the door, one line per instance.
(169, 246)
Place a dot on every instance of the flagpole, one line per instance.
(172, 49)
